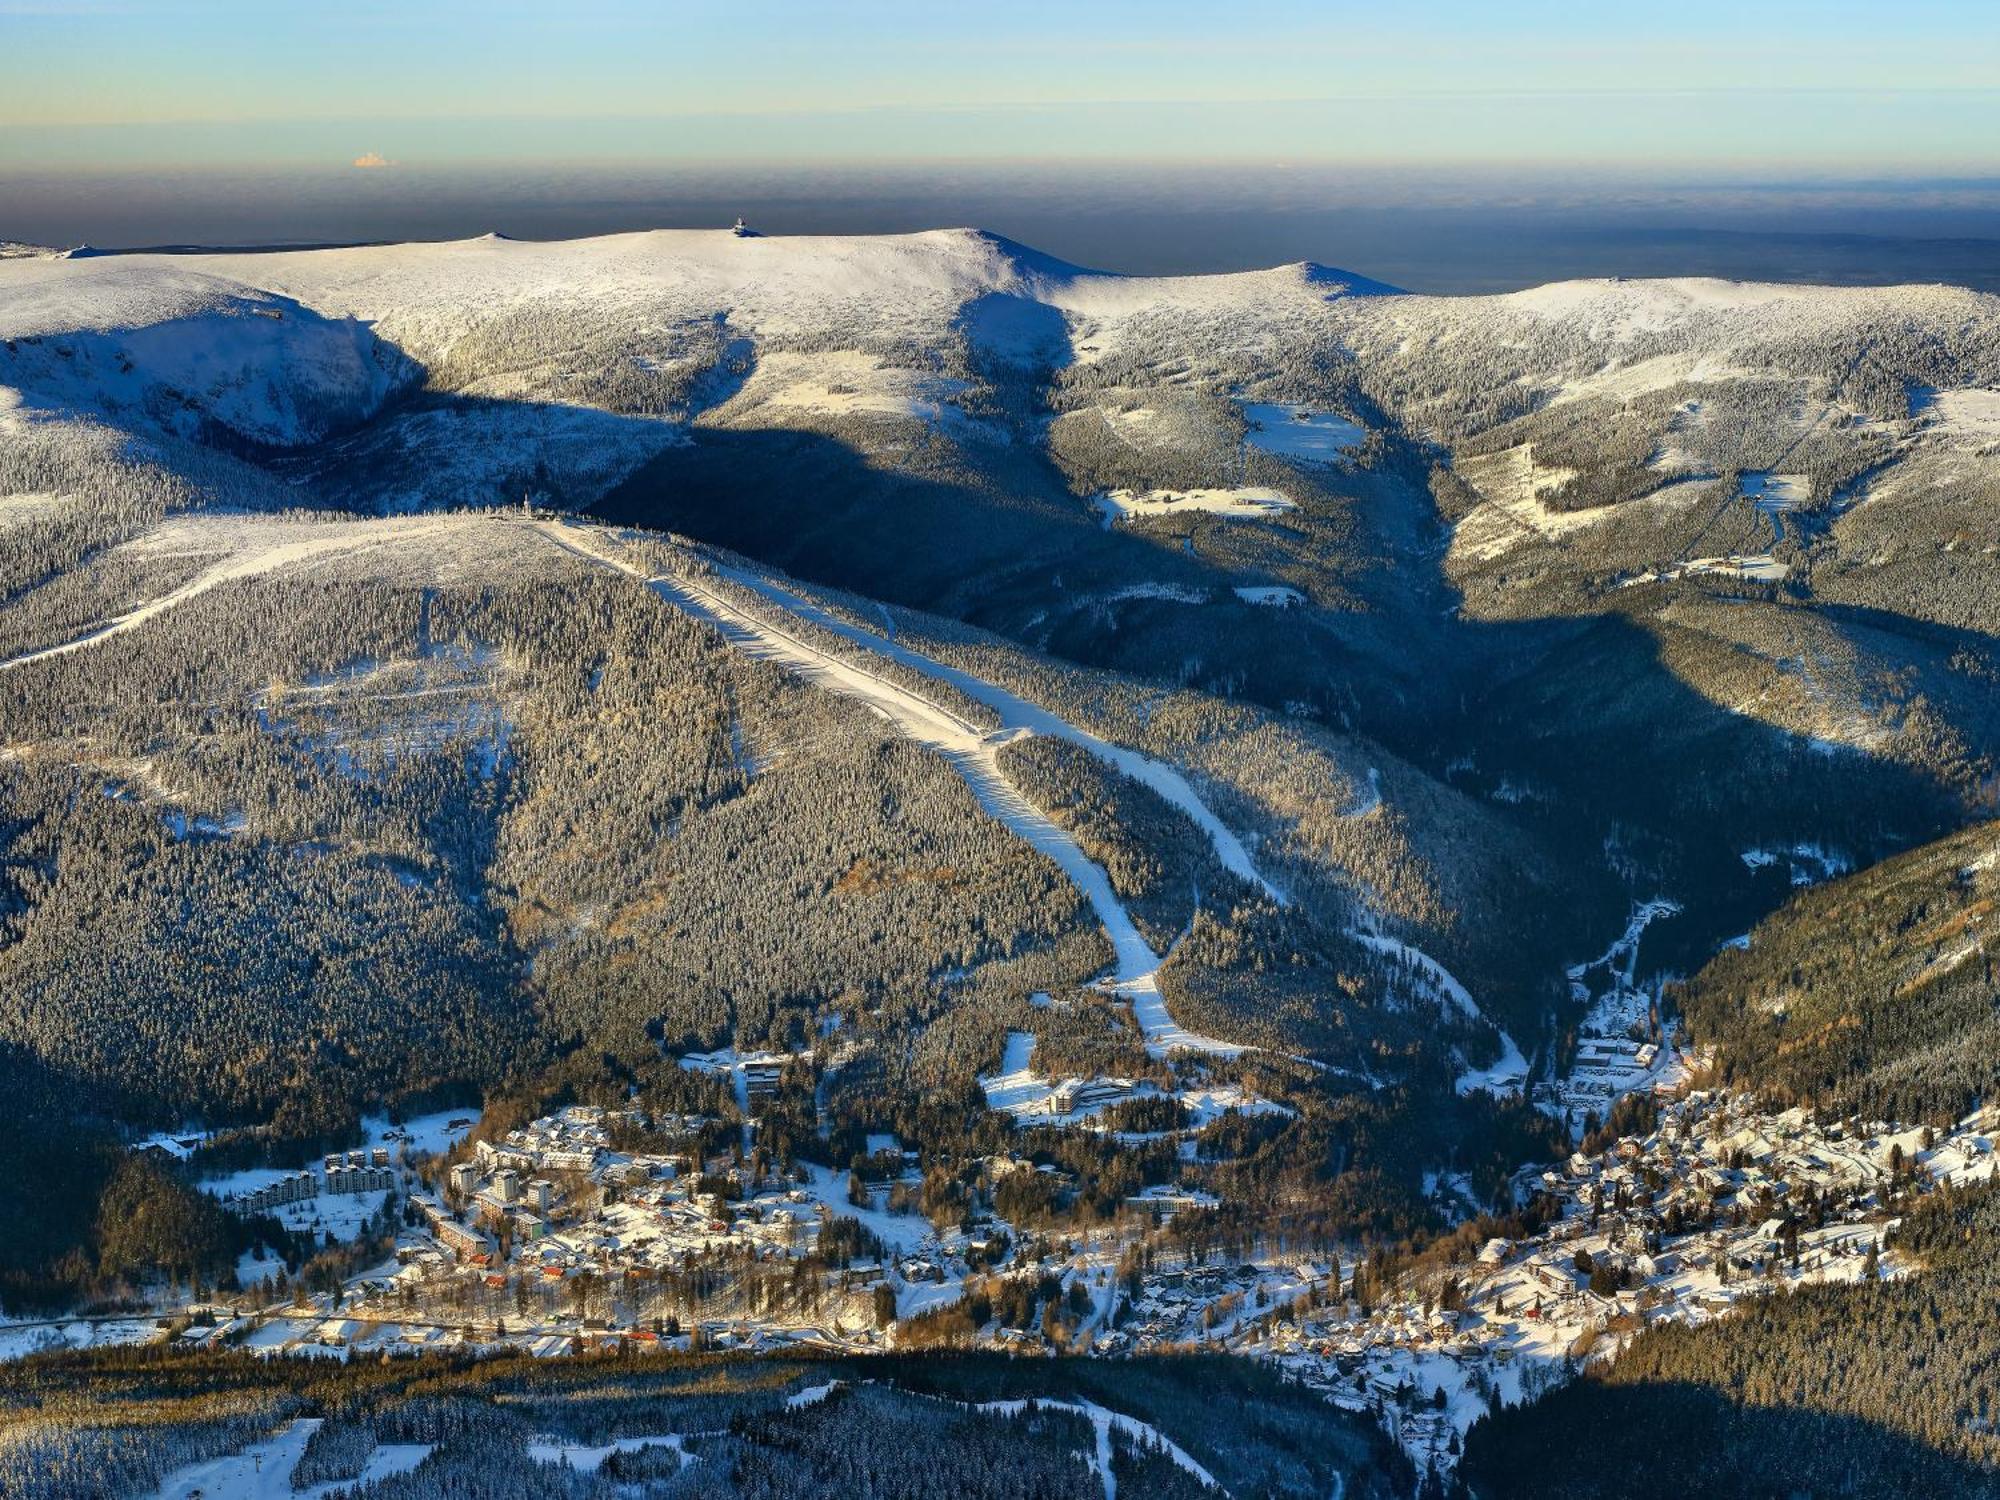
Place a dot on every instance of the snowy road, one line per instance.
(971, 749)
(237, 566)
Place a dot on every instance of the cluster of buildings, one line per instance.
(1719, 1203)
(505, 1200)
(560, 1236)
(1622, 1046)
(359, 1171)
(555, 1239)
(295, 1187)
(555, 1232)
(753, 1075)
(571, 1141)
(464, 1242)
(554, 1196)
(1073, 1094)
(341, 1174)
(1192, 1304)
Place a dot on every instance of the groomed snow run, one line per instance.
(1019, 714)
(387, 1461)
(262, 1471)
(971, 749)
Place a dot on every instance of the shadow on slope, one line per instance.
(1593, 1441)
(991, 537)
(1574, 729)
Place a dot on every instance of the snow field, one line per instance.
(589, 1458)
(1968, 418)
(1254, 502)
(1302, 432)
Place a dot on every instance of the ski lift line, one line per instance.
(1865, 354)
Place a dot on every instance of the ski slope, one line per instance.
(262, 1471)
(974, 752)
(971, 749)
(1019, 714)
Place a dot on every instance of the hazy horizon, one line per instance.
(1436, 230)
(1445, 145)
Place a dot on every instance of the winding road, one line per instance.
(237, 565)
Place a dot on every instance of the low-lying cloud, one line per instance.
(372, 159)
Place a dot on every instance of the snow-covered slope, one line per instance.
(1714, 316)
(646, 289)
(868, 290)
(286, 347)
(189, 353)
(876, 413)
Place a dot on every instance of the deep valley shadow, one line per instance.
(1573, 728)
(1672, 1441)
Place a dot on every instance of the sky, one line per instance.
(1449, 145)
(1830, 86)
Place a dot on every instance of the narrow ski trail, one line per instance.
(1019, 713)
(971, 749)
(1141, 987)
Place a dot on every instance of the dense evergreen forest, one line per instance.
(1613, 592)
(508, 829)
(1873, 995)
(101, 1427)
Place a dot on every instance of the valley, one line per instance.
(808, 814)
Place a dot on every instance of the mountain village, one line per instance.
(553, 1240)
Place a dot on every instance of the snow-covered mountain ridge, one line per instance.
(426, 297)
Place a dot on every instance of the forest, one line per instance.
(334, 784)
(101, 1427)
(1871, 996)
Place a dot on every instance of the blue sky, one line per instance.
(1833, 86)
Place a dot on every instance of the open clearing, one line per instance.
(1252, 503)
(1302, 432)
